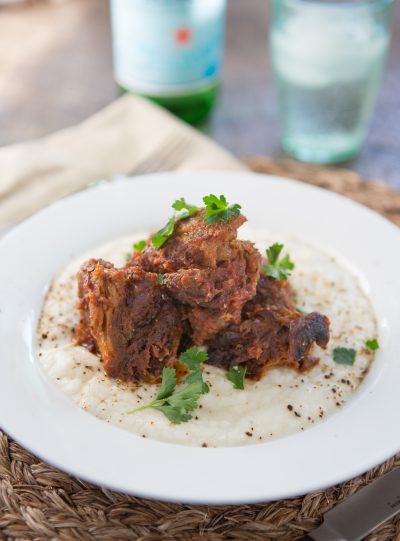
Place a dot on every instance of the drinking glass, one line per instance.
(327, 58)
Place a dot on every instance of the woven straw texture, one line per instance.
(38, 502)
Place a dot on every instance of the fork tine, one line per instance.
(164, 158)
(154, 162)
(149, 163)
(169, 156)
(176, 158)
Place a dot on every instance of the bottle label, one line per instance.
(167, 47)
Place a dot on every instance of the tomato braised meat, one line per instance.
(128, 320)
(207, 270)
(272, 332)
(203, 286)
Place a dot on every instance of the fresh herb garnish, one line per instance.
(373, 344)
(159, 238)
(197, 375)
(344, 355)
(162, 278)
(236, 376)
(168, 384)
(217, 208)
(177, 406)
(278, 269)
(139, 246)
(192, 359)
(166, 232)
(300, 310)
(128, 256)
(180, 204)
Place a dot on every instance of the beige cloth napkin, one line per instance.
(112, 142)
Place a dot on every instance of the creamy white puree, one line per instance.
(281, 403)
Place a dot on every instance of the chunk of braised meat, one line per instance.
(215, 297)
(272, 332)
(127, 320)
(207, 270)
(194, 244)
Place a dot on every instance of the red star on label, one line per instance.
(183, 35)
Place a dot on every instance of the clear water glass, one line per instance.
(327, 58)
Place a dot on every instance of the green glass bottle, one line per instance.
(170, 51)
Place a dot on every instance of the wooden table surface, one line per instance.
(56, 70)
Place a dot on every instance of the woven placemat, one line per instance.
(38, 502)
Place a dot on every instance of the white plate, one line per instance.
(41, 418)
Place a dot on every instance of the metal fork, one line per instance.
(165, 158)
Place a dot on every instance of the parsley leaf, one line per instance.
(175, 415)
(168, 383)
(187, 398)
(344, 355)
(159, 238)
(217, 208)
(236, 376)
(162, 279)
(193, 357)
(180, 204)
(273, 253)
(373, 344)
(197, 375)
(277, 269)
(139, 246)
(177, 405)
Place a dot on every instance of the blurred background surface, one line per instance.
(56, 70)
